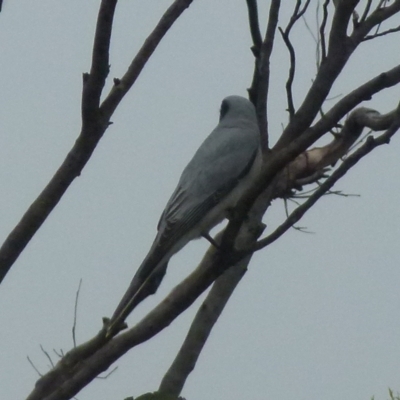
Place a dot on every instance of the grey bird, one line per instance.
(219, 173)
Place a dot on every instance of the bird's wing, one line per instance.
(223, 159)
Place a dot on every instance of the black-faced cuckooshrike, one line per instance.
(214, 180)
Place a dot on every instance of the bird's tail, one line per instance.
(145, 283)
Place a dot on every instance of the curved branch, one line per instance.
(277, 160)
(360, 119)
(339, 50)
(375, 19)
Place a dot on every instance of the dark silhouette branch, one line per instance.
(258, 91)
(297, 14)
(207, 315)
(92, 131)
(384, 33)
(339, 50)
(376, 18)
(95, 121)
(254, 26)
(322, 30)
(366, 11)
(360, 119)
(93, 83)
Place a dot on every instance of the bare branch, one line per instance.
(297, 14)
(261, 82)
(384, 33)
(254, 26)
(119, 90)
(94, 124)
(76, 312)
(322, 30)
(366, 11)
(339, 51)
(94, 81)
(292, 69)
(371, 119)
(277, 160)
(207, 315)
(375, 19)
(34, 366)
(47, 356)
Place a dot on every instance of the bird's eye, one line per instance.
(224, 109)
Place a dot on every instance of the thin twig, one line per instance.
(366, 11)
(384, 33)
(33, 366)
(297, 14)
(322, 30)
(47, 356)
(338, 54)
(292, 69)
(76, 312)
(108, 374)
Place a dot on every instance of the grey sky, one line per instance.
(316, 316)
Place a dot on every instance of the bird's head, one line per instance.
(237, 107)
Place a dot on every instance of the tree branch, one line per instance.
(373, 121)
(254, 26)
(376, 18)
(123, 85)
(95, 121)
(277, 160)
(92, 131)
(94, 82)
(258, 92)
(200, 329)
(339, 51)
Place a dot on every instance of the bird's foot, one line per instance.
(211, 240)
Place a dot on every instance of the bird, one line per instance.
(217, 176)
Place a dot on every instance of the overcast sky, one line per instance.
(315, 317)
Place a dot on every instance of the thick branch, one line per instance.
(207, 315)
